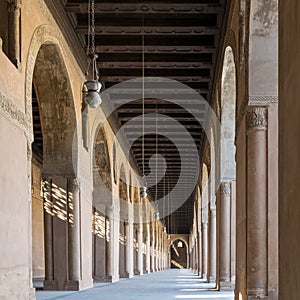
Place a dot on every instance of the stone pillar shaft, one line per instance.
(74, 229)
(199, 246)
(48, 225)
(156, 247)
(204, 249)
(225, 199)
(140, 247)
(109, 242)
(213, 244)
(148, 254)
(256, 202)
(129, 247)
(153, 247)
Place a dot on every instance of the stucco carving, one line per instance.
(257, 118)
(262, 100)
(42, 34)
(225, 189)
(73, 185)
(11, 112)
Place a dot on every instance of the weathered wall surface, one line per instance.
(16, 222)
(289, 145)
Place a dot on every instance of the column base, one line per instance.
(204, 276)
(72, 285)
(111, 278)
(226, 286)
(50, 285)
(257, 294)
(98, 279)
(126, 275)
(212, 278)
(138, 273)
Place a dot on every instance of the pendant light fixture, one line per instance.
(144, 183)
(92, 86)
(169, 230)
(164, 228)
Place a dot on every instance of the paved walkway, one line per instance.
(164, 285)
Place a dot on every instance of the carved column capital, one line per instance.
(225, 189)
(46, 177)
(213, 212)
(109, 209)
(14, 5)
(257, 118)
(73, 185)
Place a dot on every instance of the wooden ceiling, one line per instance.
(181, 42)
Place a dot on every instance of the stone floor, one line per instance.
(164, 285)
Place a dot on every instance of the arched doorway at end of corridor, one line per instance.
(178, 251)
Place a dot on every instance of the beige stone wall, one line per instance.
(15, 212)
(15, 132)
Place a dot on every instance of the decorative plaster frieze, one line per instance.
(262, 100)
(73, 184)
(13, 114)
(257, 118)
(225, 188)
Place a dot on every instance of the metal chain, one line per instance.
(143, 95)
(91, 48)
(89, 29)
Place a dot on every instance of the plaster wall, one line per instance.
(15, 214)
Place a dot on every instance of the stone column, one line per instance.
(109, 243)
(159, 250)
(225, 199)
(48, 232)
(148, 252)
(204, 249)
(196, 255)
(199, 246)
(153, 247)
(156, 247)
(213, 245)
(256, 202)
(129, 248)
(140, 248)
(73, 231)
(14, 11)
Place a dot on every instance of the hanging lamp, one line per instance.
(144, 183)
(92, 87)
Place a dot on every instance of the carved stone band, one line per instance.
(257, 118)
(225, 188)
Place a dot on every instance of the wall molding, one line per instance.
(262, 100)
